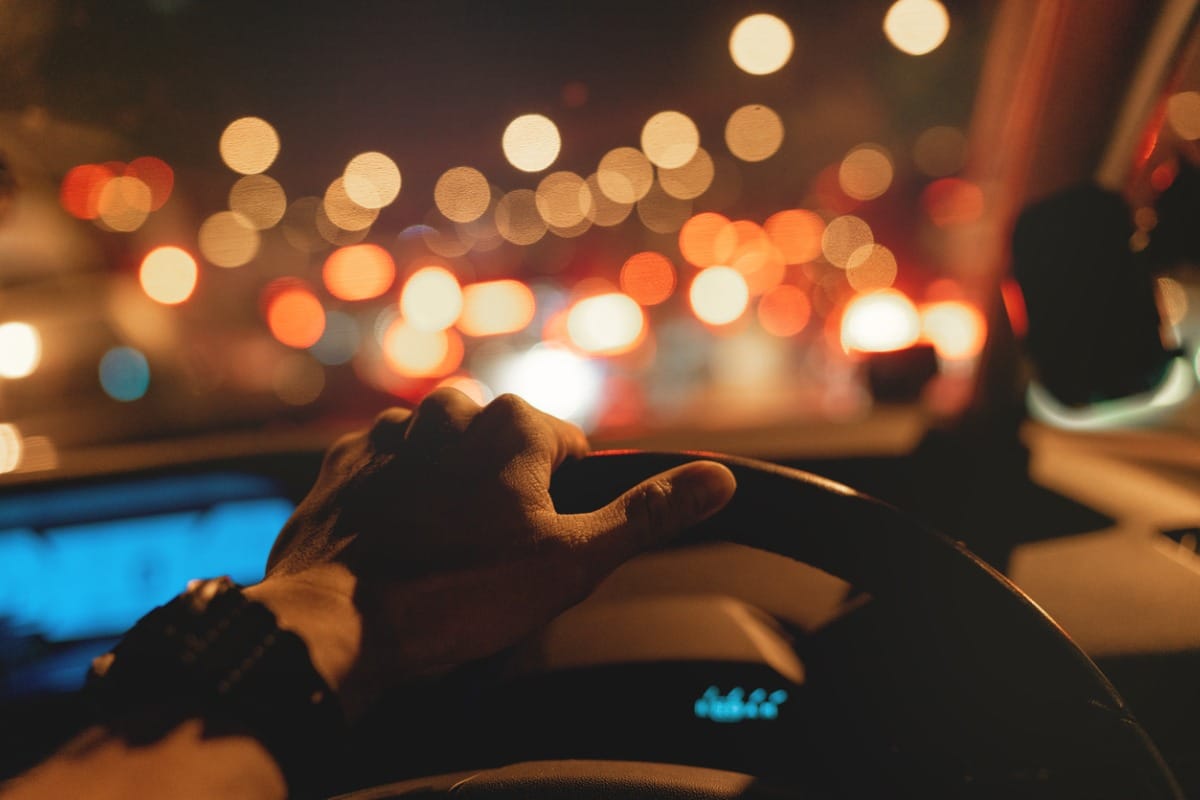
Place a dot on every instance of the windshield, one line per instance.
(642, 217)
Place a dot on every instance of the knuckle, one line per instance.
(441, 398)
(390, 419)
(510, 406)
(388, 429)
(511, 419)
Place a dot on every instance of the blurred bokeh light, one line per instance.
(719, 295)
(260, 199)
(563, 199)
(531, 142)
(957, 330)
(518, 219)
(415, 353)
(462, 194)
(20, 349)
(124, 203)
(761, 44)
(754, 132)
(10, 447)
(431, 299)
(880, 322)
(295, 316)
(871, 267)
(359, 272)
(670, 139)
(707, 239)
(784, 310)
(339, 341)
(916, 27)
(124, 374)
(648, 277)
(371, 180)
(797, 233)
(158, 177)
(625, 175)
(866, 172)
(553, 379)
(496, 307)
(344, 211)
(606, 324)
(228, 239)
(1183, 113)
(843, 236)
(692, 179)
(249, 145)
(168, 275)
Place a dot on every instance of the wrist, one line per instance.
(318, 606)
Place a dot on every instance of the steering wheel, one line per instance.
(1041, 719)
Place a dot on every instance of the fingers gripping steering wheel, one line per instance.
(1061, 730)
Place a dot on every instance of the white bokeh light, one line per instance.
(553, 379)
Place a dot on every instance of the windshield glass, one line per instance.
(641, 217)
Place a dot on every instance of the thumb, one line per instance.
(655, 510)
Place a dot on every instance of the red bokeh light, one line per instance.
(81, 188)
(156, 174)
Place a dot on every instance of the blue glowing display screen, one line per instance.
(739, 705)
(89, 578)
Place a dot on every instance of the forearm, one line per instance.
(168, 753)
(187, 762)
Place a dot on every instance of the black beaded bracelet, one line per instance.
(213, 652)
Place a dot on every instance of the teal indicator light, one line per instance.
(739, 705)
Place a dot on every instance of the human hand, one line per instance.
(431, 540)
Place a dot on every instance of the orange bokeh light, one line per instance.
(797, 234)
(496, 307)
(157, 175)
(359, 272)
(168, 275)
(295, 317)
(952, 201)
(81, 188)
(784, 310)
(754, 255)
(415, 353)
(706, 240)
(956, 330)
(648, 277)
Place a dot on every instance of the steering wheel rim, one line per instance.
(1000, 635)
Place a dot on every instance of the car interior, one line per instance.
(922, 273)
